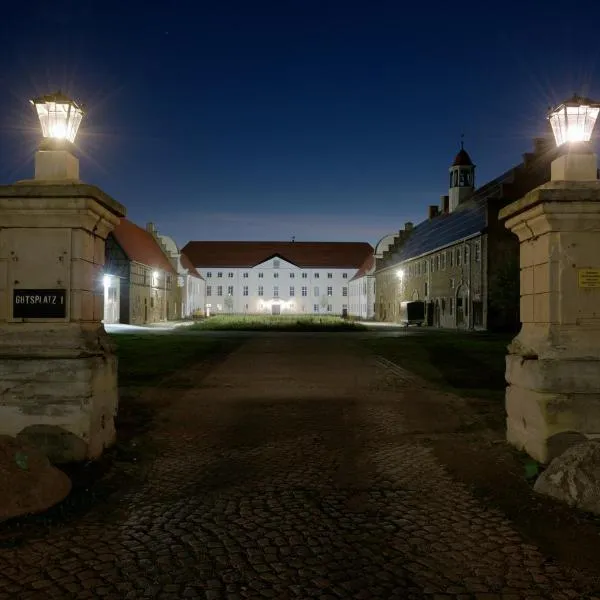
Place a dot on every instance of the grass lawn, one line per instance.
(145, 359)
(470, 364)
(276, 323)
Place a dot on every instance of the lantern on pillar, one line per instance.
(573, 123)
(59, 116)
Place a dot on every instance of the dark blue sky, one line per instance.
(261, 120)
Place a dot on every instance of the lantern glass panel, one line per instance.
(59, 120)
(573, 123)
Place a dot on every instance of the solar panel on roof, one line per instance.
(443, 231)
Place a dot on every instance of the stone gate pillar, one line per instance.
(58, 373)
(553, 365)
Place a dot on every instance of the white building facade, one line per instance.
(288, 277)
(191, 297)
(362, 285)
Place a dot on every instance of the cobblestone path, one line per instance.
(288, 472)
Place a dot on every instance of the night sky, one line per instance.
(317, 119)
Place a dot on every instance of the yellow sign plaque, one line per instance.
(588, 278)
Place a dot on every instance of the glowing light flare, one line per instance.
(400, 274)
(59, 116)
(574, 120)
(106, 280)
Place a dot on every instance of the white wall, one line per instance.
(277, 272)
(362, 297)
(193, 296)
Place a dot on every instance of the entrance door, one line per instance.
(462, 308)
(276, 309)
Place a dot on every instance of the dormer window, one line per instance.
(276, 263)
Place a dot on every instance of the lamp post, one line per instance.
(54, 352)
(60, 118)
(553, 365)
(572, 123)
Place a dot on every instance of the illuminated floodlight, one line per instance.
(400, 274)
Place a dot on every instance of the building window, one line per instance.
(437, 262)
(477, 251)
(329, 275)
(316, 292)
(261, 291)
(443, 260)
(344, 275)
(458, 262)
(329, 308)
(426, 289)
(276, 264)
(304, 275)
(292, 275)
(329, 291)
(230, 274)
(451, 305)
(219, 274)
(315, 308)
(451, 258)
(316, 276)
(245, 275)
(344, 291)
(230, 290)
(275, 275)
(304, 290)
(209, 290)
(292, 291)
(245, 290)
(466, 253)
(260, 275)
(451, 284)
(219, 290)
(209, 274)
(276, 291)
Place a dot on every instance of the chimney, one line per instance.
(541, 145)
(433, 211)
(150, 228)
(444, 204)
(408, 226)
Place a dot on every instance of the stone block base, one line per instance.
(64, 406)
(551, 404)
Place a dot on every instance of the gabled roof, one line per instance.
(186, 263)
(366, 268)
(140, 246)
(339, 255)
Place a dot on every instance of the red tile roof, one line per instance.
(366, 268)
(140, 246)
(301, 254)
(186, 263)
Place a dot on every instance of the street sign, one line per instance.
(39, 304)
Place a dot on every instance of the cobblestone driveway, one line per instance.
(288, 472)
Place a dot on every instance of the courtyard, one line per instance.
(366, 463)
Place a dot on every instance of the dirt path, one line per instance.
(299, 467)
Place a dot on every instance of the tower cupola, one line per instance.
(462, 178)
